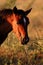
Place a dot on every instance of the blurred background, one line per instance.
(12, 52)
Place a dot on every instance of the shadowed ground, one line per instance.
(12, 51)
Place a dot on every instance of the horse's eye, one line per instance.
(20, 16)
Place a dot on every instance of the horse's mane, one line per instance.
(4, 23)
(5, 12)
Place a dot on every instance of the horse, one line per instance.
(15, 20)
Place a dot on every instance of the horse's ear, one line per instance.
(15, 9)
(28, 11)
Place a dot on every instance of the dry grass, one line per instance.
(14, 53)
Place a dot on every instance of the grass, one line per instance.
(14, 53)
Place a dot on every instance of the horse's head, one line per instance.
(15, 20)
(22, 22)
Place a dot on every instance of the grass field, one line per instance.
(14, 53)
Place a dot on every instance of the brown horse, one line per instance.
(16, 20)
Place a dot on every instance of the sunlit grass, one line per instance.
(12, 52)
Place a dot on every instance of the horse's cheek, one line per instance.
(22, 31)
(14, 27)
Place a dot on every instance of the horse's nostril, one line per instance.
(25, 40)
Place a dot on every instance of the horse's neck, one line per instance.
(5, 28)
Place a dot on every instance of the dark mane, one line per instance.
(5, 26)
(5, 12)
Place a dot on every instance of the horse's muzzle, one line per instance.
(25, 40)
